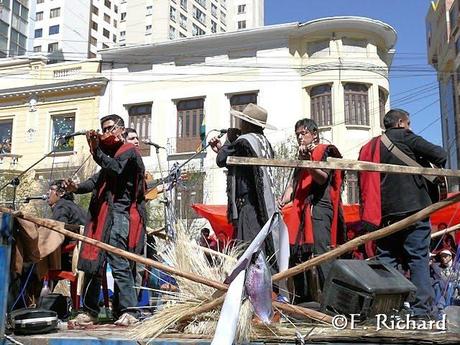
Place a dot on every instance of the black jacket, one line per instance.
(69, 212)
(403, 194)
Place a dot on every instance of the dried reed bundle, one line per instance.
(185, 255)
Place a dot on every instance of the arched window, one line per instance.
(356, 102)
(321, 105)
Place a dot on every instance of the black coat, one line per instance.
(401, 193)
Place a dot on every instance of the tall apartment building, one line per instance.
(14, 27)
(148, 21)
(73, 30)
(443, 45)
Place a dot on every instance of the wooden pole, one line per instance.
(445, 231)
(59, 227)
(342, 164)
(375, 235)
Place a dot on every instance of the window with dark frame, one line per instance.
(62, 125)
(321, 104)
(382, 101)
(352, 187)
(53, 30)
(190, 115)
(6, 130)
(239, 102)
(356, 103)
(189, 192)
(139, 119)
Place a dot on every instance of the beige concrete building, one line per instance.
(334, 70)
(443, 45)
(148, 21)
(40, 102)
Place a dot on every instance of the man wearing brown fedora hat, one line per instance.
(250, 190)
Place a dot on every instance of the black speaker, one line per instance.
(366, 288)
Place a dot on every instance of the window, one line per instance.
(241, 9)
(123, 16)
(352, 187)
(106, 33)
(104, 46)
(52, 47)
(148, 29)
(172, 32)
(356, 104)
(354, 47)
(197, 31)
(94, 10)
(190, 115)
(94, 25)
(107, 4)
(148, 10)
(122, 34)
(321, 105)
(6, 130)
(181, 35)
(106, 18)
(17, 43)
(53, 30)
(39, 16)
(214, 10)
(62, 125)
(183, 4)
(183, 21)
(20, 10)
(37, 49)
(93, 41)
(241, 24)
(223, 16)
(223, 3)
(115, 8)
(115, 23)
(189, 192)
(213, 27)
(55, 12)
(239, 102)
(198, 15)
(38, 33)
(382, 101)
(40, 1)
(202, 3)
(139, 119)
(172, 13)
(114, 38)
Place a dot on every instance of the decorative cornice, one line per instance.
(27, 91)
(345, 66)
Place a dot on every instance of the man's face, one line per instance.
(304, 136)
(107, 126)
(445, 259)
(404, 123)
(132, 138)
(53, 195)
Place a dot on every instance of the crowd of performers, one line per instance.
(311, 207)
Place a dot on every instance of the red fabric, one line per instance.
(217, 217)
(301, 208)
(369, 184)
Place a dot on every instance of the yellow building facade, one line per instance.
(40, 102)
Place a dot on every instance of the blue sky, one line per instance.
(407, 17)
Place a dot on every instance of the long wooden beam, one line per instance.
(440, 233)
(342, 164)
(60, 227)
(372, 236)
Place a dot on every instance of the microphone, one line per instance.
(39, 197)
(148, 142)
(70, 135)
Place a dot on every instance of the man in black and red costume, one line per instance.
(388, 198)
(117, 217)
(315, 217)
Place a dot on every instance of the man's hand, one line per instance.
(215, 144)
(93, 140)
(69, 185)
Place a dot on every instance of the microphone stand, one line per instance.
(17, 179)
